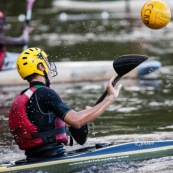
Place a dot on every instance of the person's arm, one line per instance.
(19, 41)
(78, 119)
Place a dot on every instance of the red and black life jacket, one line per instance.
(25, 133)
(2, 56)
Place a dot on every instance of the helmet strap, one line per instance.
(47, 79)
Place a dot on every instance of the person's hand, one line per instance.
(31, 29)
(113, 92)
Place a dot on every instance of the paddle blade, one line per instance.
(126, 63)
(79, 135)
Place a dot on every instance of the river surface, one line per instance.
(144, 109)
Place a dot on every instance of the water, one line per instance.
(143, 110)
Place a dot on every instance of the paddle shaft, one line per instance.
(28, 16)
(29, 10)
(106, 93)
(84, 129)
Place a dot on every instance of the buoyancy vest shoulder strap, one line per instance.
(29, 92)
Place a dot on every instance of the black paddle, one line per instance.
(122, 65)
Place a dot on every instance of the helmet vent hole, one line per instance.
(24, 58)
(26, 53)
(31, 49)
(25, 63)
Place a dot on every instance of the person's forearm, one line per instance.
(96, 111)
(19, 41)
(78, 119)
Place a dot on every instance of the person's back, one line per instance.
(36, 119)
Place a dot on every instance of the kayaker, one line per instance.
(38, 116)
(7, 59)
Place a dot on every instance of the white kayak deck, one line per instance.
(80, 71)
(113, 6)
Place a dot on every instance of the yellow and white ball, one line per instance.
(155, 14)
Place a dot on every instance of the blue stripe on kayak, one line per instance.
(127, 147)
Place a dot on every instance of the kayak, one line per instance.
(97, 155)
(82, 71)
(118, 6)
(10, 60)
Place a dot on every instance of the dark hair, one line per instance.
(31, 77)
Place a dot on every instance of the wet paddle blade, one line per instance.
(124, 64)
(79, 135)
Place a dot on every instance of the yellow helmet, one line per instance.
(29, 59)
